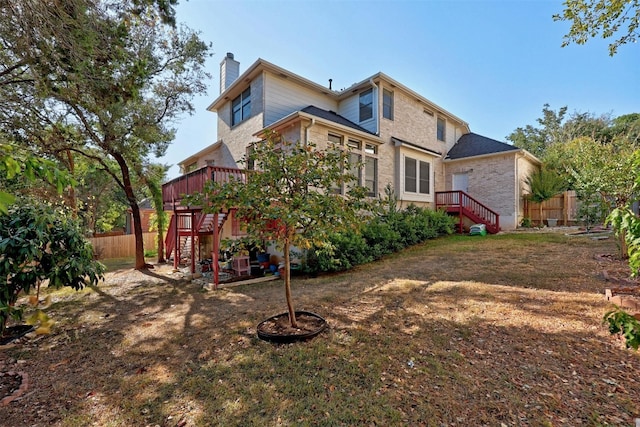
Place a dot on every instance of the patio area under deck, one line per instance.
(188, 222)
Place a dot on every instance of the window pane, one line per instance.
(387, 104)
(441, 129)
(246, 104)
(366, 105)
(370, 149)
(354, 144)
(335, 139)
(236, 113)
(424, 178)
(370, 176)
(354, 161)
(410, 178)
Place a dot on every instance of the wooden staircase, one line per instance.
(461, 204)
(203, 225)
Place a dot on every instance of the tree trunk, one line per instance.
(72, 192)
(135, 210)
(156, 194)
(161, 258)
(541, 219)
(287, 284)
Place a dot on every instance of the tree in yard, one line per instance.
(111, 71)
(601, 172)
(291, 198)
(605, 18)
(40, 244)
(592, 167)
(543, 185)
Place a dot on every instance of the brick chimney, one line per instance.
(229, 71)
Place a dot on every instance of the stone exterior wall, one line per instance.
(497, 182)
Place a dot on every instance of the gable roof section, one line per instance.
(333, 117)
(472, 145)
(260, 66)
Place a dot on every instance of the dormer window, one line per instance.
(366, 105)
(241, 107)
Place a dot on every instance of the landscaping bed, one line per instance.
(461, 331)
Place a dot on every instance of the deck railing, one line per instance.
(194, 182)
(461, 202)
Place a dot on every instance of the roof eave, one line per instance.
(415, 95)
(258, 67)
(300, 115)
(210, 148)
(480, 156)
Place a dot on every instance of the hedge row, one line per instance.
(382, 235)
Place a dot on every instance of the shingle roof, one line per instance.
(411, 144)
(472, 144)
(333, 117)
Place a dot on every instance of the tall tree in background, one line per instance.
(109, 69)
(616, 19)
(558, 127)
(536, 139)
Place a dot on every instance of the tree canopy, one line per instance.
(292, 197)
(617, 20)
(104, 79)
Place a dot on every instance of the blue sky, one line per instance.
(491, 63)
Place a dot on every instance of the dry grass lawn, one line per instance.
(461, 331)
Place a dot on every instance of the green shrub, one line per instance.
(625, 324)
(388, 232)
(39, 244)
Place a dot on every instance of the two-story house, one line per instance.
(427, 154)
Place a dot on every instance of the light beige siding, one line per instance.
(283, 97)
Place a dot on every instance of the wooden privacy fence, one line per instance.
(123, 246)
(563, 207)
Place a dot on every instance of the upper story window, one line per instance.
(366, 105)
(387, 104)
(241, 107)
(441, 129)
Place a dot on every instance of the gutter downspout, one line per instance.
(377, 118)
(518, 190)
(306, 130)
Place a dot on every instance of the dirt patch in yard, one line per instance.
(495, 330)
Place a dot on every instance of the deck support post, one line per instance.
(176, 240)
(193, 242)
(215, 256)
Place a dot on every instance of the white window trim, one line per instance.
(411, 196)
(362, 153)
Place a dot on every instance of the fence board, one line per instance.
(563, 207)
(123, 246)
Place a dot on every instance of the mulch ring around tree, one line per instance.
(622, 289)
(12, 385)
(278, 328)
(12, 333)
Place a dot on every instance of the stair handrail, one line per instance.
(462, 200)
